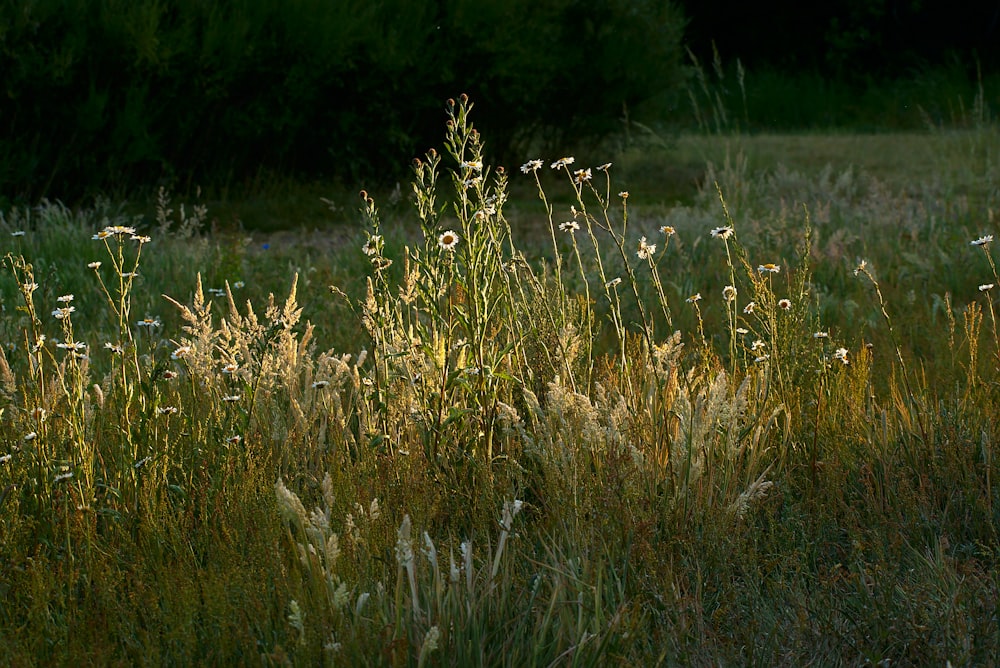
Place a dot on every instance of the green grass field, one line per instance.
(730, 400)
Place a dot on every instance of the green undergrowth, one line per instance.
(753, 428)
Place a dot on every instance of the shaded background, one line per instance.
(853, 39)
(119, 95)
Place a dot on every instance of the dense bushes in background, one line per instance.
(100, 94)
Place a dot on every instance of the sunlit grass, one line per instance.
(501, 429)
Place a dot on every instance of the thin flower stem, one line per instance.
(588, 337)
(863, 268)
(989, 301)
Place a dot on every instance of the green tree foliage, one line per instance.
(119, 93)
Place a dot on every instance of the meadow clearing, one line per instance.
(726, 400)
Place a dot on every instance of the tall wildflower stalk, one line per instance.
(730, 291)
(984, 243)
(449, 332)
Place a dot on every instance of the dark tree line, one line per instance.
(848, 38)
(120, 93)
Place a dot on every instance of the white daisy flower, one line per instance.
(569, 226)
(448, 240)
(531, 166)
(646, 250)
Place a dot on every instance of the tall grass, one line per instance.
(757, 428)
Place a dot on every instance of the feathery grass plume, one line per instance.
(289, 505)
(296, 619)
(406, 559)
(510, 511)
(429, 645)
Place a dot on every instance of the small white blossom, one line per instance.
(646, 250)
(371, 246)
(531, 166)
(569, 226)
